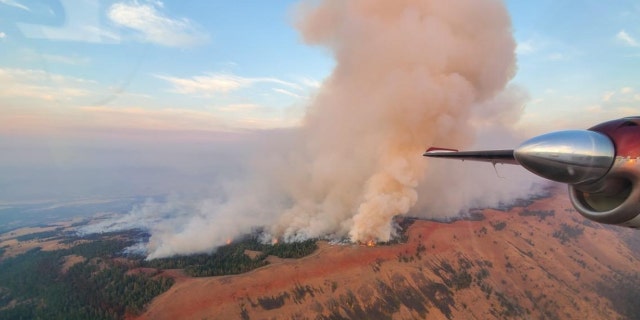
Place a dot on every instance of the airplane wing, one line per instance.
(493, 156)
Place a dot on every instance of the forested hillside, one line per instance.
(91, 278)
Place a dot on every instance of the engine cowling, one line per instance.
(615, 198)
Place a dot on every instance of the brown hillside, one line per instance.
(523, 263)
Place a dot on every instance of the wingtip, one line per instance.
(437, 149)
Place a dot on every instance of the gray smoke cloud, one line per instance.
(409, 74)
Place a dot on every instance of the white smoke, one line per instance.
(409, 74)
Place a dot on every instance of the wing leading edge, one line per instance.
(493, 156)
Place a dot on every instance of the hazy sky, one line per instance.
(85, 84)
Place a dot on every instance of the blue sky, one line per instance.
(237, 65)
(228, 65)
(578, 60)
(85, 75)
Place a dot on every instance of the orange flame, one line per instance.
(274, 241)
(371, 243)
(228, 241)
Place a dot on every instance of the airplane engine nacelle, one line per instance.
(615, 198)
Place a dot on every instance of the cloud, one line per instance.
(556, 57)
(311, 83)
(525, 47)
(210, 84)
(154, 26)
(15, 4)
(166, 119)
(40, 100)
(82, 22)
(41, 85)
(2, 35)
(607, 96)
(253, 116)
(228, 118)
(288, 93)
(70, 60)
(627, 39)
(584, 111)
(241, 107)
(625, 96)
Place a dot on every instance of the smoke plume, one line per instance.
(408, 74)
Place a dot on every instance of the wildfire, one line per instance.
(274, 241)
(371, 243)
(228, 241)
